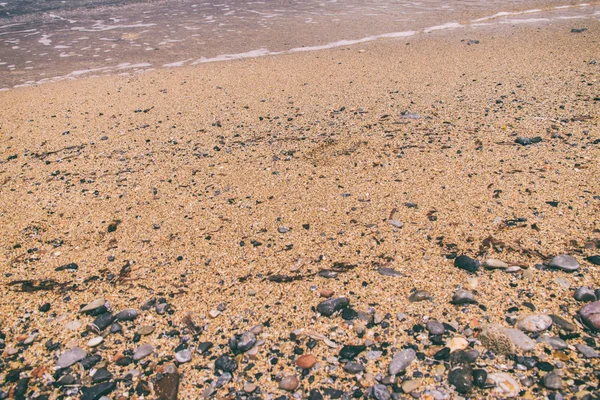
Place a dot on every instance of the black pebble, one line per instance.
(479, 377)
(225, 364)
(467, 263)
(44, 307)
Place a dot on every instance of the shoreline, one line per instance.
(224, 190)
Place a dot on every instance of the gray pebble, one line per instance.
(419, 295)
(590, 314)
(183, 356)
(70, 357)
(435, 327)
(381, 392)
(584, 294)
(354, 368)
(283, 229)
(534, 323)
(126, 315)
(401, 361)
(223, 379)
(553, 341)
(552, 381)
(143, 351)
(463, 296)
(329, 307)
(564, 262)
(586, 351)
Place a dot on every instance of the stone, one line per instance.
(116, 328)
(479, 377)
(101, 375)
(326, 292)
(283, 229)
(395, 223)
(93, 305)
(289, 383)
(552, 381)
(457, 343)
(463, 296)
(204, 347)
(306, 361)
(167, 387)
(419, 295)
(90, 361)
(434, 327)
(553, 341)
(401, 361)
(246, 342)
(95, 341)
(223, 379)
(354, 368)
(349, 352)
(525, 141)
(102, 322)
(520, 340)
(145, 330)
(584, 294)
(562, 323)
(564, 262)
(410, 385)
(70, 357)
(462, 379)
(126, 315)
(183, 356)
(225, 363)
(142, 352)
(506, 385)
(249, 387)
(73, 325)
(534, 323)
(495, 264)
(590, 315)
(586, 351)
(467, 263)
(594, 259)
(97, 391)
(381, 392)
(330, 306)
(389, 272)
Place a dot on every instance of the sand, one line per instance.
(198, 167)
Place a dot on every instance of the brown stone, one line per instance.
(326, 292)
(167, 387)
(306, 361)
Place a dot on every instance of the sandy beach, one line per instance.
(239, 196)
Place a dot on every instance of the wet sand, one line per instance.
(209, 185)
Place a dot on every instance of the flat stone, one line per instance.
(457, 343)
(553, 341)
(552, 381)
(463, 296)
(495, 264)
(145, 330)
(93, 305)
(101, 375)
(410, 385)
(306, 361)
(183, 356)
(70, 357)
(354, 368)
(249, 387)
(534, 323)
(594, 259)
(564, 262)
(562, 323)
(349, 352)
(584, 294)
(435, 327)
(462, 379)
(389, 272)
(126, 315)
(467, 263)
(224, 379)
(586, 351)
(506, 385)
(283, 229)
(95, 341)
(330, 306)
(97, 391)
(143, 351)
(289, 383)
(167, 388)
(590, 314)
(401, 361)
(520, 340)
(381, 392)
(419, 295)
(395, 223)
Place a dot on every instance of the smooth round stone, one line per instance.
(330, 306)
(401, 361)
(146, 330)
(435, 327)
(410, 385)
(506, 385)
(462, 379)
(495, 264)
(127, 315)
(183, 356)
(534, 323)
(283, 229)
(590, 314)
(586, 351)
(479, 377)
(93, 342)
(354, 368)
(381, 392)
(249, 387)
(562, 323)
(306, 361)
(584, 294)
(224, 379)
(70, 357)
(553, 341)
(564, 262)
(143, 351)
(519, 339)
(467, 263)
(562, 282)
(289, 383)
(552, 381)
(463, 296)
(457, 343)
(419, 295)
(73, 325)
(93, 305)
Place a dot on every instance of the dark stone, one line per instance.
(467, 263)
(459, 357)
(44, 307)
(594, 259)
(462, 379)
(330, 306)
(562, 323)
(126, 315)
(354, 368)
(90, 361)
(349, 314)
(590, 314)
(21, 389)
(315, 395)
(70, 266)
(225, 364)
(97, 391)
(116, 328)
(102, 322)
(125, 361)
(479, 377)
(101, 375)
(525, 141)
(349, 352)
(442, 354)
(204, 347)
(167, 387)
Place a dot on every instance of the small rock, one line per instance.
(495, 264)
(594, 259)
(126, 315)
(495, 338)
(326, 292)
(93, 305)
(435, 328)
(457, 343)
(381, 392)
(586, 351)
(467, 263)
(183, 356)
(44, 307)
(584, 294)
(225, 363)
(401, 361)
(70, 357)
(214, 313)
(354, 368)
(73, 325)
(506, 385)
(479, 377)
(249, 387)
(306, 361)
(534, 323)
(525, 141)
(330, 306)
(283, 229)
(289, 383)
(562, 323)
(552, 381)
(245, 342)
(389, 272)
(462, 379)
(97, 391)
(145, 330)
(70, 267)
(553, 341)
(101, 375)
(419, 295)
(167, 388)
(143, 351)
(410, 385)
(93, 342)
(395, 223)
(520, 340)
(349, 352)
(463, 296)
(590, 314)
(224, 379)
(102, 322)
(564, 262)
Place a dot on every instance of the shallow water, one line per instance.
(50, 40)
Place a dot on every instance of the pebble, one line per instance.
(564, 262)
(70, 357)
(101, 375)
(496, 338)
(102, 322)
(463, 296)
(410, 385)
(97, 391)
(289, 383)
(354, 368)
(435, 328)
(381, 392)
(93, 305)
(167, 388)
(457, 343)
(223, 379)
(395, 223)
(225, 363)
(419, 295)
(584, 294)
(401, 361)
(73, 325)
(467, 263)
(330, 306)
(506, 385)
(249, 387)
(479, 377)
(553, 341)
(586, 351)
(143, 351)
(245, 342)
(306, 361)
(590, 314)
(552, 381)
(389, 272)
(495, 264)
(326, 292)
(145, 330)
(93, 342)
(283, 229)
(520, 340)
(562, 323)
(534, 323)
(183, 356)
(462, 379)
(126, 315)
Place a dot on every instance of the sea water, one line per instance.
(50, 40)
